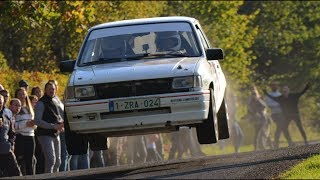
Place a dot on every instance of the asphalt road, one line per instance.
(267, 164)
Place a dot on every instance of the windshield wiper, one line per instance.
(169, 55)
(104, 60)
(137, 57)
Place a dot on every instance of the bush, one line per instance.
(10, 78)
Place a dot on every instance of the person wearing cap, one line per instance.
(24, 84)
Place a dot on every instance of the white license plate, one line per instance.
(133, 104)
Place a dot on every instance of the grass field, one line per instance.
(308, 169)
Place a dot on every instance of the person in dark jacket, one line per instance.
(289, 105)
(50, 124)
(9, 165)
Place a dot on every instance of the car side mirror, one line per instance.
(214, 54)
(67, 66)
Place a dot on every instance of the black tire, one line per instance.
(207, 132)
(223, 118)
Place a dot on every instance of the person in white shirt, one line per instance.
(277, 115)
(24, 126)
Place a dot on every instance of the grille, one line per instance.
(135, 88)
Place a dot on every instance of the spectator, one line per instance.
(15, 108)
(39, 166)
(257, 115)
(160, 147)
(33, 100)
(236, 131)
(37, 91)
(24, 84)
(114, 155)
(80, 161)
(8, 165)
(24, 126)
(289, 104)
(152, 152)
(176, 146)
(277, 116)
(80, 154)
(183, 141)
(50, 124)
(36, 94)
(64, 154)
(137, 151)
(237, 136)
(96, 158)
(5, 93)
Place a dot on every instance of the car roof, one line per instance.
(145, 21)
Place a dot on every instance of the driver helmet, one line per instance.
(168, 41)
(113, 45)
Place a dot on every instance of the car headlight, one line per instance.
(186, 82)
(84, 91)
(69, 93)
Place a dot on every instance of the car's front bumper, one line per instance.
(176, 109)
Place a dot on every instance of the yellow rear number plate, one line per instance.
(133, 104)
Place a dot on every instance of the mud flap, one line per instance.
(223, 119)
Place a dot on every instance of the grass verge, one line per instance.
(308, 169)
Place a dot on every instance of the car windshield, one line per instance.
(109, 45)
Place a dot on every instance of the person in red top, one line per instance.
(289, 105)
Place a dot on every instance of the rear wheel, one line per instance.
(207, 132)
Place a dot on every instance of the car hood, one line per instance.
(135, 70)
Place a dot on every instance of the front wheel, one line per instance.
(207, 132)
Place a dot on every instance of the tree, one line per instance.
(287, 48)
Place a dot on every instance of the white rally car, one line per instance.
(145, 76)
